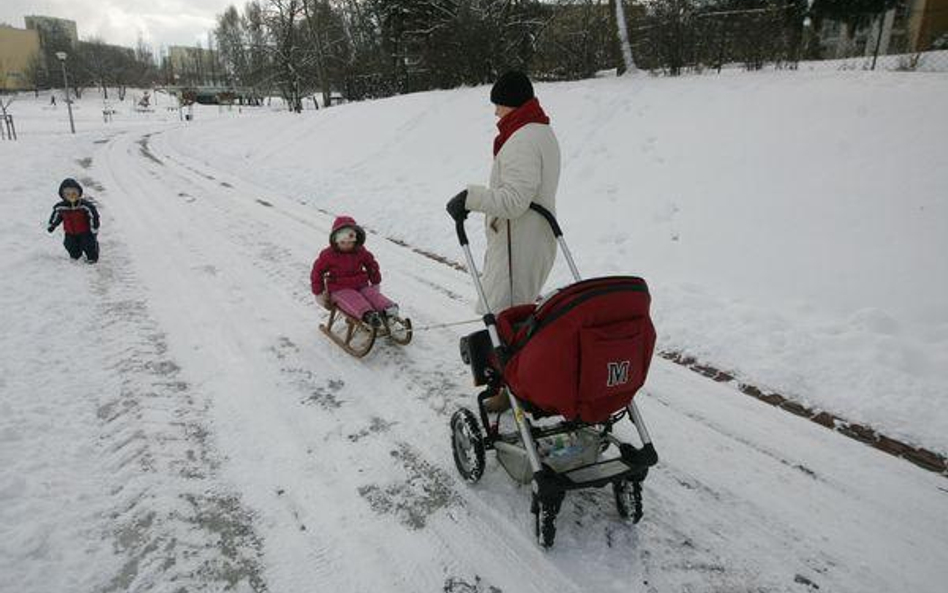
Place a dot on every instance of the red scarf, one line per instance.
(528, 113)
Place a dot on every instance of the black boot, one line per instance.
(372, 319)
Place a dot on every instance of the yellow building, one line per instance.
(19, 48)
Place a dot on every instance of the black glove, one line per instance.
(456, 207)
(50, 229)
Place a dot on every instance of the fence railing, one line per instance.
(695, 39)
(7, 127)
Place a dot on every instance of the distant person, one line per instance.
(520, 245)
(346, 275)
(52, 100)
(80, 221)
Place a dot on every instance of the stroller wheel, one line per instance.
(467, 444)
(544, 519)
(628, 495)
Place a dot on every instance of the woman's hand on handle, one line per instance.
(457, 207)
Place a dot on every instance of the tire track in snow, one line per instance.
(323, 557)
(173, 523)
(920, 456)
(723, 432)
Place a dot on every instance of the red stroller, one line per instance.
(570, 366)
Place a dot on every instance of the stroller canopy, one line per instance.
(584, 352)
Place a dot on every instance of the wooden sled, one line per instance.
(357, 337)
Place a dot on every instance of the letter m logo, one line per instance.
(618, 373)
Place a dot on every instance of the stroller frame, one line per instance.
(625, 472)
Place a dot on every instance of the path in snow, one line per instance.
(346, 465)
(108, 481)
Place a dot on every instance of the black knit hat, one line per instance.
(69, 182)
(512, 89)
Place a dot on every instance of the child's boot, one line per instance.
(372, 319)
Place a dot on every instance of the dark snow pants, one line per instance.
(83, 242)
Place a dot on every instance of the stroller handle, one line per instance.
(546, 214)
(557, 233)
(554, 226)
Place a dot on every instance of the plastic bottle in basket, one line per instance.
(565, 446)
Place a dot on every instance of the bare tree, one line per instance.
(139, 70)
(232, 42)
(5, 104)
(95, 65)
(317, 13)
(283, 23)
(576, 40)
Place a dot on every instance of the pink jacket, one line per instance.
(335, 270)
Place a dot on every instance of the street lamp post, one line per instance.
(61, 55)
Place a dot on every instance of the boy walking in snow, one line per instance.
(347, 275)
(80, 222)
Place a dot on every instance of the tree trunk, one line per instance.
(316, 39)
(627, 65)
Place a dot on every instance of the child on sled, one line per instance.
(346, 275)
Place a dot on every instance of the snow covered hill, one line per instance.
(171, 419)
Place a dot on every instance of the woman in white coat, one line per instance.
(520, 246)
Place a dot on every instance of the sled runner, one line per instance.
(570, 367)
(358, 337)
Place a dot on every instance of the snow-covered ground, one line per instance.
(170, 418)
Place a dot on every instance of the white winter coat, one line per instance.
(527, 169)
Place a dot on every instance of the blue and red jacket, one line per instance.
(77, 217)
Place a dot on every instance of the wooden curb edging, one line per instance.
(923, 458)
